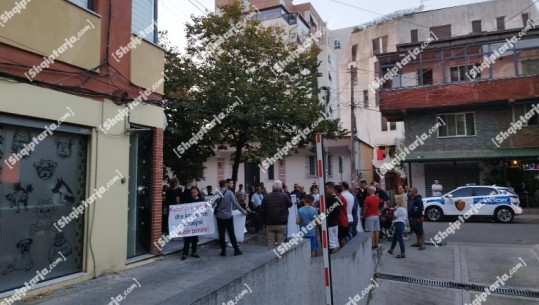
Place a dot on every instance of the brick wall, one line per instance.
(157, 187)
(488, 122)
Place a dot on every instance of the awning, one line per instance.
(502, 153)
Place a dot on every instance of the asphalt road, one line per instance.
(523, 231)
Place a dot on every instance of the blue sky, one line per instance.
(173, 14)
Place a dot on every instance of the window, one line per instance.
(460, 73)
(476, 26)
(457, 125)
(143, 19)
(87, 4)
(329, 76)
(441, 31)
(483, 191)
(425, 76)
(379, 45)
(311, 160)
(366, 98)
(530, 66)
(414, 36)
(271, 172)
(522, 109)
(336, 44)
(388, 126)
(525, 18)
(500, 23)
(354, 52)
(463, 192)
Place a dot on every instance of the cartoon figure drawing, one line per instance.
(18, 196)
(23, 259)
(20, 139)
(44, 217)
(62, 194)
(45, 168)
(62, 245)
(63, 147)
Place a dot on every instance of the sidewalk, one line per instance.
(167, 281)
(460, 263)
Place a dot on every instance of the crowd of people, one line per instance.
(366, 208)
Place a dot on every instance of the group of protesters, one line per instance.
(347, 213)
(404, 213)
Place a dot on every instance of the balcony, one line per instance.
(455, 76)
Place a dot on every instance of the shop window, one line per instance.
(39, 192)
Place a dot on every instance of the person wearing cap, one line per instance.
(274, 214)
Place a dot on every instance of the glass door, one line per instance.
(139, 205)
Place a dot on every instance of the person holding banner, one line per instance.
(223, 212)
(191, 240)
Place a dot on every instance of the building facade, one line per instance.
(470, 96)
(80, 138)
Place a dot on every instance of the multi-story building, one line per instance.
(298, 22)
(80, 137)
(478, 81)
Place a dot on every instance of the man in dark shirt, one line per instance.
(382, 195)
(274, 214)
(416, 214)
(333, 206)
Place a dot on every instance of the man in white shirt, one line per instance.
(350, 199)
(437, 189)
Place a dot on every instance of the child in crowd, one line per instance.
(306, 215)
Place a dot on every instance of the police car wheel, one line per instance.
(434, 213)
(503, 215)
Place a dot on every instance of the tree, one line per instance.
(233, 62)
(184, 118)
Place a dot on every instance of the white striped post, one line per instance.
(324, 237)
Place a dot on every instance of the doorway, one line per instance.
(139, 202)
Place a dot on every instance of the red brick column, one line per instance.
(157, 188)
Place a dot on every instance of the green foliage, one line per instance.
(229, 59)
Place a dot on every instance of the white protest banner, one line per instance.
(182, 222)
(292, 227)
(239, 227)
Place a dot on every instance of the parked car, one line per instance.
(500, 202)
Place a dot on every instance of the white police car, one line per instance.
(474, 200)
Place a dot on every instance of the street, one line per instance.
(523, 231)
(480, 255)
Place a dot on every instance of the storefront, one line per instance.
(43, 178)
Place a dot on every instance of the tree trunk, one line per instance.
(237, 157)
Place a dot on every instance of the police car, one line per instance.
(475, 200)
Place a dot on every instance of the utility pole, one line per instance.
(353, 78)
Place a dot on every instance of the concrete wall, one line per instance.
(296, 278)
(461, 17)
